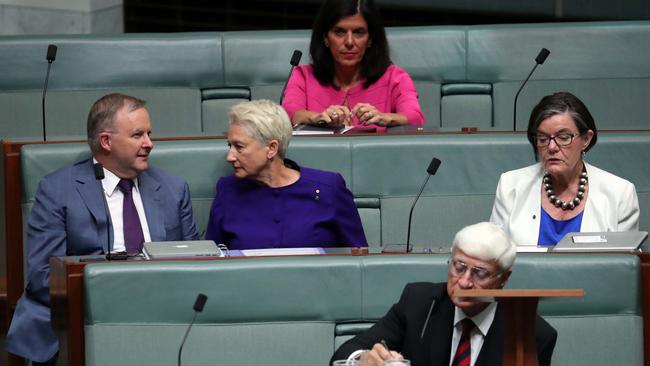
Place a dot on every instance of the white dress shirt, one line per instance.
(114, 199)
(482, 320)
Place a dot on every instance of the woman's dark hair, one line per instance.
(559, 103)
(377, 57)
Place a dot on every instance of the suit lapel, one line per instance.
(90, 190)
(439, 332)
(529, 217)
(153, 206)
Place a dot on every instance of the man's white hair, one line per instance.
(487, 242)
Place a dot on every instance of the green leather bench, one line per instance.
(383, 172)
(168, 70)
(466, 75)
(605, 64)
(297, 310)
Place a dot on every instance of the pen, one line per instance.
(383, 343)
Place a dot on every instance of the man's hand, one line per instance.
(377, 355)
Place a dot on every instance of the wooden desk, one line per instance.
(66, 293)
(519, 308)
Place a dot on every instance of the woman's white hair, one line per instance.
(487, 242)
(264, 120)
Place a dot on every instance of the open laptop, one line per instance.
(628, 241)
(181, 249)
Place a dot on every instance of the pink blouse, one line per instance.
(394, 92)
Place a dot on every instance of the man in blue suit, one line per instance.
(69, 216)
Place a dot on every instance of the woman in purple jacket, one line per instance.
(271, 202)
(351, 80)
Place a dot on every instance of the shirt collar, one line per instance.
(482, 320)
(110, 181)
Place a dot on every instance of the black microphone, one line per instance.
(50, 57)
(198, 307)
(295, 60)
(99, 175)
(51, 53)
(541, 57)
(431, 170)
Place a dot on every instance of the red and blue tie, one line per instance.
(464, 351)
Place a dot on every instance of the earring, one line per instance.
(369, 44)
(583, 153)
(327, 44)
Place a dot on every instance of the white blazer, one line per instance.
(612, 204)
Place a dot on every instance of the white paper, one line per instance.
(531, 249)
(589, 239)
(281, 251)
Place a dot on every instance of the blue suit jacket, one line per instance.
(68, 218)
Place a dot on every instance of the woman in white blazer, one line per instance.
(539, 204)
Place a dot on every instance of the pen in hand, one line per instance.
(383, 343)
(394, 356)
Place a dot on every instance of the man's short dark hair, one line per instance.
(102, 115)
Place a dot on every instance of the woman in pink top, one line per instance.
(352, 80)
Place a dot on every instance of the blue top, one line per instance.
(551, 231)
(315, 211)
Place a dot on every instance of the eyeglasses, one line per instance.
(479, 275)
(562, 139)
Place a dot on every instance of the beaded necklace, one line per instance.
(571, 204)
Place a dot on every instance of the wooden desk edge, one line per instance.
(520, 293)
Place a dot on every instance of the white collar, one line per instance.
(482, 320)
(110, 181)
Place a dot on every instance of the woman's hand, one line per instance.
(335, 115)
(368, 114)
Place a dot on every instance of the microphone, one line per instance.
(99, 175)
(50, 57)
(431, 170)
(51, 53)
(541, 57)
(198, 307)
(426, 321)
(295, 60)
(99, 171)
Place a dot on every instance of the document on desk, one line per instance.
(281, 251)
(531, 249)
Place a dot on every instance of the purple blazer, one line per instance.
(315, 211)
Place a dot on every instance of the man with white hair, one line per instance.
(431, 326)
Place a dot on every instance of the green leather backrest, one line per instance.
(116, 60)
(260, 60)
(466, 76)
(383, 172)
(336, 288)
(302, 303)
(167, 70)
(603, 63)
(431, 58)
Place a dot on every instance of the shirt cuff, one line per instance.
(356, 354)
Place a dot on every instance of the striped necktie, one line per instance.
(464, 350)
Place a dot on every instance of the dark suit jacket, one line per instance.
(68, 218)
(402, 327)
